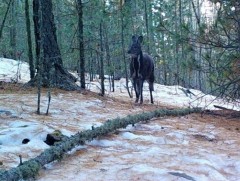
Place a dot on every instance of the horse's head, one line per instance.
(135, 49)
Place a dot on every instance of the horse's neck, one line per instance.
(140, 56)
(137, 64)
(137, 61)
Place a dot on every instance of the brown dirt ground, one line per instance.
(227, 119)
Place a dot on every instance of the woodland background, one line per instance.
(194, 43)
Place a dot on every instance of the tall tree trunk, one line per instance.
(198, 57)
(200, 53)
(152, 49)
(177, 74)
(36, 22)
(147, 25)
(29, 39)
(101, 59)
(53, 72)
(38, 44)
(81, 43)
(91, 71)
(165, 72)
(108, 57)
(122, 14)
(13, 31)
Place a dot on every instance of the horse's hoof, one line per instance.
(136, 103)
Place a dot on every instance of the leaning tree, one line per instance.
(49, 62)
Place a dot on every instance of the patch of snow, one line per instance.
(11, 71)
(128, 135)
(17, 131)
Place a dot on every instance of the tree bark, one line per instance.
(176, 53)
(81, 43)
(101, 58)
(13, 31)
(53, 73)
(29, 39)
(36, 31)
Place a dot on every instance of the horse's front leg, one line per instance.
(140, 84)
(135, 86)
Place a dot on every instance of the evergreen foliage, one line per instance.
(190, 48)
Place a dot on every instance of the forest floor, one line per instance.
(194, 147)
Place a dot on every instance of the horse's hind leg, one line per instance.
(151, 96)
(151, 89)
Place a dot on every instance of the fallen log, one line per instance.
(30, 168)
(226, 112)
(223, 108)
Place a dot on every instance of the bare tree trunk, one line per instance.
(101, 59)
(91, 71)
(39, 75)
(152, 49)
(177, 74)
(123, 53)
(29, 38)
(108, 57)
(200, 81)
(198, 76)
(81, 43)
(165, 72)
(13, 31)
(36, 31)
(147, 26)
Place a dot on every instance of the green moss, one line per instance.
(29, 169)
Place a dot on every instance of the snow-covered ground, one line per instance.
(14, 71)
(180, 148)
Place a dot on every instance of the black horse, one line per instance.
(141, 68)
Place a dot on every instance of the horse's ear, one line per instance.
(140, 39)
